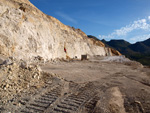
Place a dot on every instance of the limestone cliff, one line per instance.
(26, 32)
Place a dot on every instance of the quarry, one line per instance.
(49, 67)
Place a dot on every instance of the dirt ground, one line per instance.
(90, 86)
(130, 79)
(90, 70)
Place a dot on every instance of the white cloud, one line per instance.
(149, 17)
(141, 24)
(66, 17)
(139, 38)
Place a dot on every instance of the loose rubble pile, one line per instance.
(17, 78)
(122, 59)
(116, 59)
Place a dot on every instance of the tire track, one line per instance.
(44, 101)
(58, 100)
(73, 102)
(90, 105)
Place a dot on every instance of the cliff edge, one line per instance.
(26, 33)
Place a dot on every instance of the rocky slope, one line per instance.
(26, 32)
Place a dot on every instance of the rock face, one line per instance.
(26, 32)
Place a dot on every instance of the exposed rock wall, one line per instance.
(26, 32)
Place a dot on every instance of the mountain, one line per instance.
(140, 51)
(147, 42)
(142, 47)
(118, 43)
(139, 47)
(26, 33)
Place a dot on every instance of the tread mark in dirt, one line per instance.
(40, 104)
(91, 104)
(73, 103)
(54, 102)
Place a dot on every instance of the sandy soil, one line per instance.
(92, 70)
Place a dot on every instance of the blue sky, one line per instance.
(108, 19)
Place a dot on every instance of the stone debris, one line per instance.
(16, 79)
(116, 59)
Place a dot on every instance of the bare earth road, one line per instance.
(118, 87)
(92, 86)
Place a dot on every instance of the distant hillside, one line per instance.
(118, 44)
(141, 47)
(139, 51)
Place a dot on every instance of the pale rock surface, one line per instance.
(116, 59)
(26, 32)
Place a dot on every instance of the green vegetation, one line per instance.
(142, 58)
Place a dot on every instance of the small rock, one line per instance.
(14, 64)
(35, 75)
(39, 69)
(23, 64)
(38, 77)
(10, 72)
(7, 85)
(7, 62)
